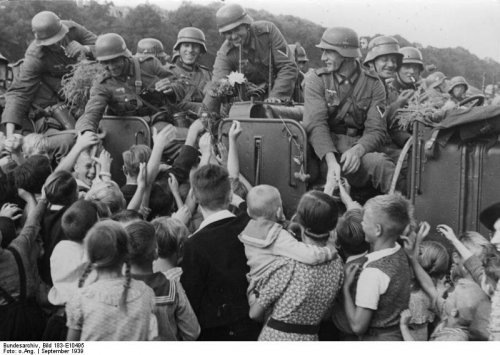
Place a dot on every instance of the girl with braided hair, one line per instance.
(114, 307)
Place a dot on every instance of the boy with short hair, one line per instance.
(214, 264)
(383, 288)
(265, 239)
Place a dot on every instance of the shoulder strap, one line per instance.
(138, 81)
(22, 274)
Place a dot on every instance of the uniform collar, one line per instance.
(184, 66)
(351, 78)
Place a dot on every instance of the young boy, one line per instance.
(214, 265)
(131, 159)
(265, 239)
(383, 288)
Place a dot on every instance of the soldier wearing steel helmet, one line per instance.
(148, 47)
(123, 85)
(457, 88)
(255, 48)
(300, 57)
(58, 44)
(343, 115)
(191, 46)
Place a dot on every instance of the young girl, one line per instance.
(434, 259)
(176, 318)
(115, 307)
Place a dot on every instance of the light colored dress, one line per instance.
(95, 311)
(298, 294)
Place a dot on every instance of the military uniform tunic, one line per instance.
(198, 76)
(40, 75)
(332, 128)
(119, 94)
(265, 43)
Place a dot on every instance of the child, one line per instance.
(383, 288)
(176, 319)
(114, 307)
(265, 239)
(492, 271)
(109, 193)
(131, 159)
(353, 248)
(68, 262)
(463, 313)
(434, 259)
(171, 234)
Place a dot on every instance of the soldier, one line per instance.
(458, 88)
(300, 57)
(151, 47)
(343, 114)
(127, 87)
(384, 59)
(250, 47)
(191, 46)
(57, 45)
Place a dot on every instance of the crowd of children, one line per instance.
(191, 251)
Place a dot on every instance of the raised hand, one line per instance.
(11, 210)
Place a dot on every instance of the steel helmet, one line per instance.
(150, 46)
(412, 55)
(175, 56)
(191, 35)
(382, 45)
(47, 28)
(435, 79)
(231, 16)
(458, 80)
(300, 54)
(109, 46)
(342, 40)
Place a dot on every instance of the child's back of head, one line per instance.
(78, 219)
(61, 188)
(264, 201)
(161, 201)
(350, 235)
(108, 193)
(171, 235)
(32, 174)
(392, 212)
(434, 259)
(211, 187)
(125, 216)
(142, 242)
(317, 213)
(477, 244)
(133, 157)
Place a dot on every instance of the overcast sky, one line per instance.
(472, 24)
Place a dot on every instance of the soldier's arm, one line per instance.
(316, 117)
(222, 68)
(21, 93)
(375, 132)
(94, 110)
(286, 68)
(85, 37)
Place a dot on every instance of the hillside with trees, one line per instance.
(151, 21)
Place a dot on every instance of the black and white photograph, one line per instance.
(248, 171)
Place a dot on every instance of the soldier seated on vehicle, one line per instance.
(57, 45)
(256, 49)
(458, 89)
(300, 57)
(126, 88)
(147, 47)
(343, 115)
(193, 76)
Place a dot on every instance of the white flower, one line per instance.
(236, 78)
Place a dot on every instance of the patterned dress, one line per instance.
(298, 294)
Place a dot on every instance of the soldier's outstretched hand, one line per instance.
(75, 49)
(272, 100)
(350, 161)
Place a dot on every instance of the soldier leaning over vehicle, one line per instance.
(343, 115)
(300, 57)
(250, 47)
(127, 87)
(57, 45)
(193, 76)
